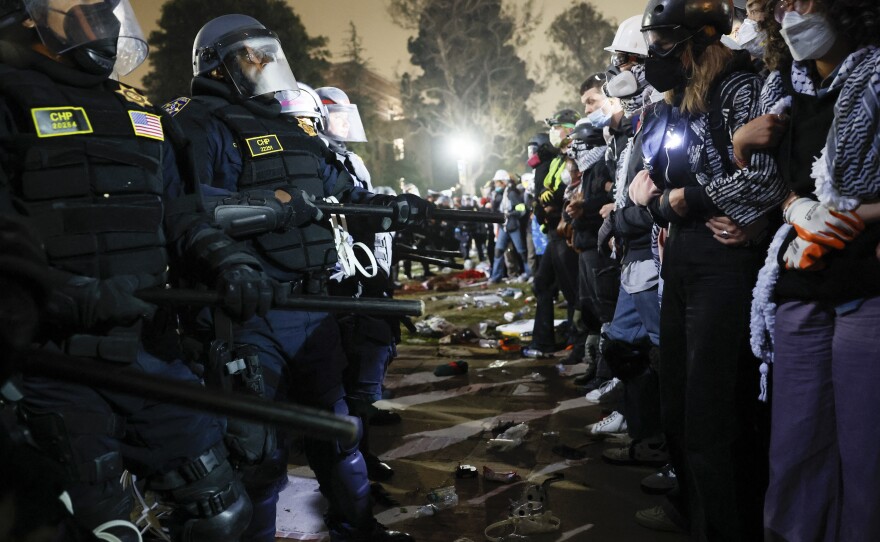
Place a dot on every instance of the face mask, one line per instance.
(534, 161)
(566, 177)
(635, 103)
(555, 138)
(499, 189)
(808, 36)
(599, 118)
(94, 56)
(665, 73)
(730, 43)
(622, 85)
(751, 39)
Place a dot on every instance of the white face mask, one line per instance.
(808, 36)
(566, 177)
(751, 39)
(555, 138)
(600, 118)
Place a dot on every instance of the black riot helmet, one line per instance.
(589, 134)
(100, 38)
(536, 142)
(565, 117)
(248, 54)
(667, 24)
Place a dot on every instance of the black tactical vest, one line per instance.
(276, 153)
(86, 166)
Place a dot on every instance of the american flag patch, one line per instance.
(147, 125)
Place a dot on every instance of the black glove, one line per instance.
(303, 206)
(85, 302)
(245, 291)
(411, 210)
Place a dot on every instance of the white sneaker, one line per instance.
(613, 423)
(607, 393)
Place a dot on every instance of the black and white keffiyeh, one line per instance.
(847, 171)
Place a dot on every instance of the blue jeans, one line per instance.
(501, 245)
(637, 316)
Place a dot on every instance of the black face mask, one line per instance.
(93, 56)
(665, 73)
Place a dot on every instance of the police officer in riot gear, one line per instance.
(90, 164)
(369, 342)
(253, 155)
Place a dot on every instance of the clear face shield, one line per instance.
(299, 103)
(532, 149)
(109, 27)
(344, 123)
(256, 63)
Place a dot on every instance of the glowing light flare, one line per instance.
(462, 147)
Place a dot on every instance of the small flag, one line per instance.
(147, 125)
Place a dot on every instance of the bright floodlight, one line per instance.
(462, 147)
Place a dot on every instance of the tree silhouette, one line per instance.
(472, 80)
(580, 35)
(171, 45)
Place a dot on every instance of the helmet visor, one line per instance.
(344, 123)
(256, 63)
(664, 41)
(64, 25)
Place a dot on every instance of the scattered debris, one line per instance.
(505, 477)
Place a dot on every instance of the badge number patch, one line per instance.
(61, 121)
(261, 145)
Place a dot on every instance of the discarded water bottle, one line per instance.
(488, 343)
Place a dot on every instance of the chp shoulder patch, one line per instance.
(133, 96)
(175, 106)
(60, 121)
(306, 126)
(147, 125)
(265, 144)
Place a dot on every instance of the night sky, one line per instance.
(385, 43)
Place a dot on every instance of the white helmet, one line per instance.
(629, 38)
(303, 103)
(501, 175)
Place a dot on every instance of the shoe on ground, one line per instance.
(639, 452)
(377, 470)
(608, 392)
(657, 519)
(587, 377)
(592, 384)
(535, 353)
(385, 417)
(613, 423)
(661, 482)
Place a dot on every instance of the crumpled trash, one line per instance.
(435, 326)
(463, 336)
(537, 377)
(439, 498)
(510, 292)
(509, 439)
(505, 477)
(488, 300)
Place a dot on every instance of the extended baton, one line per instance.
(319, 303)
(432, 252)
(457, 215)
(316, 423)
(432, 261)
